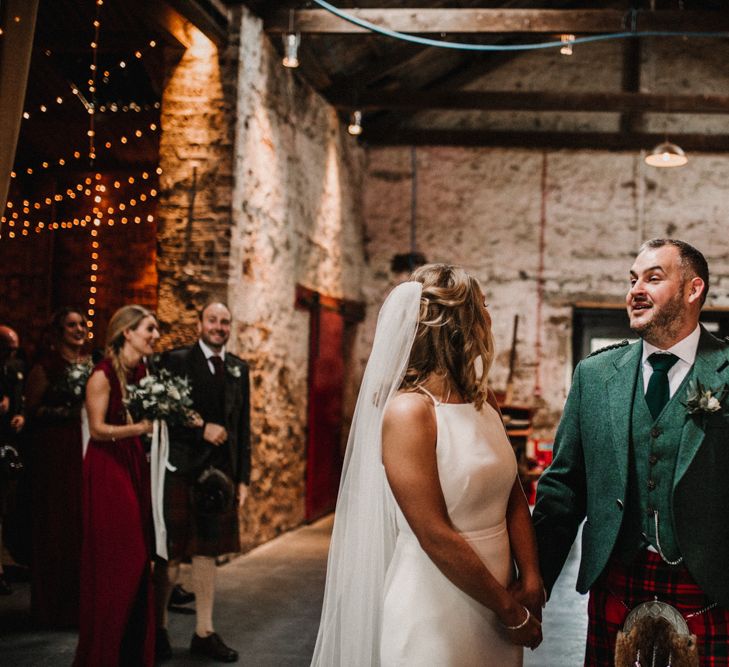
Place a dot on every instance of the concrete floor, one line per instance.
(268, 606)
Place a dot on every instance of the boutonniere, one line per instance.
(704, 401)
(233, 370)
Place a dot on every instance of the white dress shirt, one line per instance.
(685, 350)
(210, 353)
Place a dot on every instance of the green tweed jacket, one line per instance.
(589, 474)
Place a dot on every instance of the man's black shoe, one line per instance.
(162, 648)
(181, 596)
(4, 586)
(213, 647)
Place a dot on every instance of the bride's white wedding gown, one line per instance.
(427, 620)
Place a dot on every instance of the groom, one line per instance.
(646, 463)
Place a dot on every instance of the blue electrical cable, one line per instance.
(462, 46)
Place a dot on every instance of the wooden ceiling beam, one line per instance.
(472, 66)
(708, 143)
(430, 21)
(623, 102)
(174, 19)
(209, 17)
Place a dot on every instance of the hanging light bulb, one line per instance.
(666, 154)
(355, 123)
(291, 41)
(291, 49)
(567, 41)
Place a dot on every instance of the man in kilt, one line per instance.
(642, 453)
(208, 458)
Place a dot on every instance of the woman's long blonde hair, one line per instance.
(453, 333)
(125, 318)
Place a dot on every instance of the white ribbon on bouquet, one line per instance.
(159, 464)
(85, 433)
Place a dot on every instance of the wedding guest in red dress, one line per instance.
(54, 396)
(116, 622)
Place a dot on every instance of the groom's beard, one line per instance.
(666, 321)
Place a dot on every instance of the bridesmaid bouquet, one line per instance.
(72, 384)
(165, 400)
(67, 393)
(162, 396)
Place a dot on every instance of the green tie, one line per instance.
(657, 394)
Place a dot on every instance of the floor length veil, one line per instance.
(363, 536)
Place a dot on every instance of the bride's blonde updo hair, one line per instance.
(453, 333)
(125, 318)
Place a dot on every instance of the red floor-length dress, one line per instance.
(116, 625)
(54, 436)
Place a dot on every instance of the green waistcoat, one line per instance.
(654, 449)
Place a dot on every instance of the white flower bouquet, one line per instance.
(162, 396)
(72, 384)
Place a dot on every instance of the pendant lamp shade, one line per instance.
(666, 154)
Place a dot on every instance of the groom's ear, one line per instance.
(696, 289)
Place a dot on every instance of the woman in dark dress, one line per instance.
(116, 624)
(53, 403)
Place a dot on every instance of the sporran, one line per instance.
(655, 634)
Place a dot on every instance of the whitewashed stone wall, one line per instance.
(296, 219)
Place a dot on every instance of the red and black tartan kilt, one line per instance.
(622, 587)
(189, 534)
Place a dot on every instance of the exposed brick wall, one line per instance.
(44, 271)
(197, 120)
(25, 285)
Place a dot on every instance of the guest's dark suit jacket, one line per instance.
(189, 452)
(12, 378)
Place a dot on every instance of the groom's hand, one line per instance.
(529, 591)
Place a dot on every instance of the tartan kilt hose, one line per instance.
(189, 534)
(622, 587)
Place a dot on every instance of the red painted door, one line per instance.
(326, 387)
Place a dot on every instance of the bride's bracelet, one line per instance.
(522, 624)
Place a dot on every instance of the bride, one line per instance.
(433, 558)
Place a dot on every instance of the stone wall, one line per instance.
(482, 208)
(296, 220)
(196, 156)
(277, 203)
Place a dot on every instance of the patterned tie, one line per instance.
(217, 363)
(657, 394)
